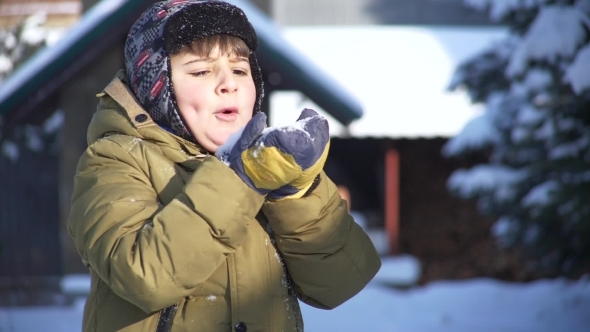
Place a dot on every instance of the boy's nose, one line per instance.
(227, 83)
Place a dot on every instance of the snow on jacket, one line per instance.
(175, 241)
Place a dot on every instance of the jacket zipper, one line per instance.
(166, 318)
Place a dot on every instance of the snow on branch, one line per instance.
(477, 133)
(496, 179)
(499, 9)
(557, 32)
(17, 45)
(19, 42)
(529, 115)
(541, 195)
(578, 73)
(36, 138)
(536, 99)
(571, 149)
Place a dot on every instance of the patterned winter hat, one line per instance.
(164, 29)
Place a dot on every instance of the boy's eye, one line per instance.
(240, 72)
(200, 73)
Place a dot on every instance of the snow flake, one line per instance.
(225, 149)
(134, 143)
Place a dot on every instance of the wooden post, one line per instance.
(392, 171)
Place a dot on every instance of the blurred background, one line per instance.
(460, 138)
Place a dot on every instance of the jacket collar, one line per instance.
(119, 91)
(139, 122)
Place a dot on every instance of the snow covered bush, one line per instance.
(535, 85)
(17, 44)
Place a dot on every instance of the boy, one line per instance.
(186, 229)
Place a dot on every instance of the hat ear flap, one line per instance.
(258, 82)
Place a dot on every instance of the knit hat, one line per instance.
(164, 29)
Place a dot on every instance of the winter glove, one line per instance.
(315, 143)
(264, 159)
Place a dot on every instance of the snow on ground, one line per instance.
(481, 305)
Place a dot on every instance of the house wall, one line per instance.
(78, 101)
(77, 98)
(448, 235)
(452, 240)
(30, 257)
(28, 231)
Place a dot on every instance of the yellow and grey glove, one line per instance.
(313, 141)
(264, 159)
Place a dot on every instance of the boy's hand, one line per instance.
(314, 154)
(265, 159)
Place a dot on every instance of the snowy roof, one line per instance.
(285, 66)
(290, 69)
(399, 74)
(44, 72)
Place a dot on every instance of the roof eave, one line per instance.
(51, 66)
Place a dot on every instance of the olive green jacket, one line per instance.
(175, 241)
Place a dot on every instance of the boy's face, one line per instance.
(215, 94)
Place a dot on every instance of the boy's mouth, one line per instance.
(228, 114)
(228, 110)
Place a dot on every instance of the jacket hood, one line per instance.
(119, 112)
(167, 26)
